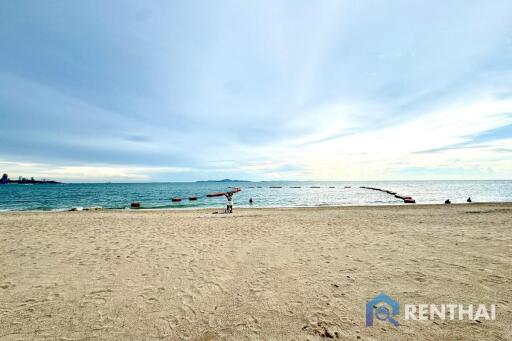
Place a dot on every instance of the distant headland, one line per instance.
(5, 180)
(224, 180)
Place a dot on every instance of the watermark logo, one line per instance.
(423, 312)
(383, 308)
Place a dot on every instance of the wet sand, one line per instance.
(258, 274)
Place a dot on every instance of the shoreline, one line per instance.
(128, 209)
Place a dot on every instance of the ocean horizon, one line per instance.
(157, 195)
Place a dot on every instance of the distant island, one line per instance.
(5, 180)
(224, 180)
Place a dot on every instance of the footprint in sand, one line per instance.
(187, 300)
(96, 297)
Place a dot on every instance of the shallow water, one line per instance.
(158, 195)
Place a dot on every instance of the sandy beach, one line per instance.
(258, 274)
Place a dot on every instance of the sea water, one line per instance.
(47, 197)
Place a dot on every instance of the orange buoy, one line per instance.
(135, 204)
(176, 199)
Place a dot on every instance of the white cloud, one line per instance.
(373, 154)
(114, 173)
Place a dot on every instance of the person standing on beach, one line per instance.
(229, 196)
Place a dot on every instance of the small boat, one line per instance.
(409, 201)
(216, 194)
(176, 199)
(135, 204)
(275, 187)
(314, 187)
(192, 198)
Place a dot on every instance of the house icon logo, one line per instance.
(383, 308)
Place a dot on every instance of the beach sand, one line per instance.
(258, 274)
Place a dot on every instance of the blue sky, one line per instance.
(262, 90)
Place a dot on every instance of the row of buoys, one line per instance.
(192, 198)
(296, 187)
(301, 187)
(380, 190)
(137, 204)
(310, 187)
(406, 199)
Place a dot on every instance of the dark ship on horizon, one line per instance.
(24, 181)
